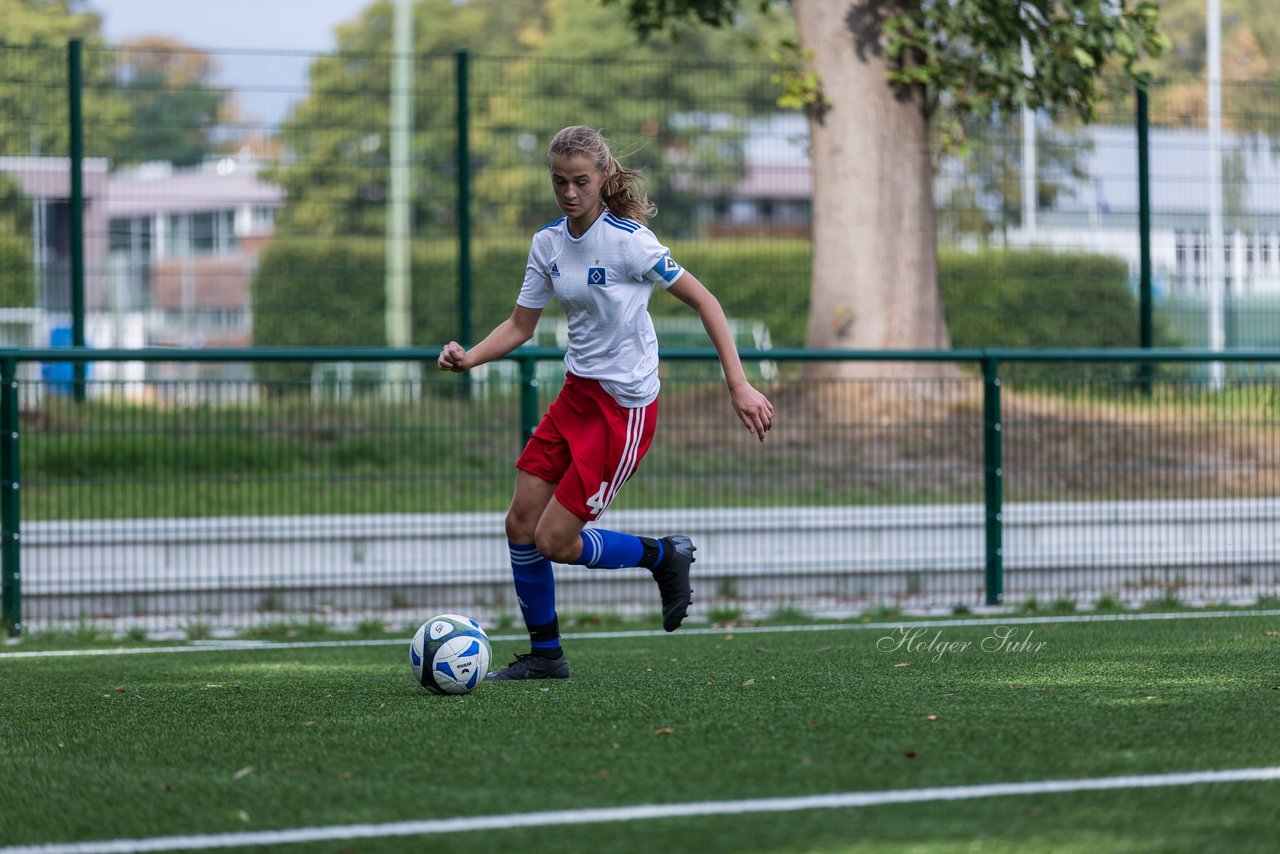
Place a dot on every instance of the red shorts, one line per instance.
(588, 445)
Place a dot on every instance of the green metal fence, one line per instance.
(256, 213)
(145, 203)
(940, 480)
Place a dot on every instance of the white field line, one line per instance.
(233, 645)
(462, 824)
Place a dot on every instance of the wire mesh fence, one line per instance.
(256, 212)
(202, 504)
(221, 214)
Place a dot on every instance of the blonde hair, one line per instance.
(623, 190)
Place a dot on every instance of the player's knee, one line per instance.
(520, 527)
(557, 546)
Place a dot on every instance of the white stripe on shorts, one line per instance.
(630, 453)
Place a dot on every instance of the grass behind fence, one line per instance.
(226, 741)
(867, 442)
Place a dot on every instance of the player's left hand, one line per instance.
(754, 410)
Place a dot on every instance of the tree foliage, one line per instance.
(46, 22)
(900, 61)
(969, 54)
(175, 104)
(16, 278)
(152, 99)
(537, 65)
(984, 188)
(1250, 40)
(654, 16)
(1250, 71)
(33, 82)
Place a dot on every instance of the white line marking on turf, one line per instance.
(233, 645)
(461, 824)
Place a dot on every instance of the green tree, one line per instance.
(174, 102)
(984, 190)
(523, 90)
(1250, 32)
(875, 282)
(677, 111)
(15, 209)
(33, 85)
(16, 280)
(1250, 38)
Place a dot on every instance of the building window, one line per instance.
(204, 233)
(262, 220)
(203, 238)
(176, 243)
(130, 236)
(118, 231)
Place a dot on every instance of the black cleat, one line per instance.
(672, 576)
(530, 666)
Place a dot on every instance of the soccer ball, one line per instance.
(449, 654)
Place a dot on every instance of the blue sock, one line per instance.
(536, 593)
(612, 550)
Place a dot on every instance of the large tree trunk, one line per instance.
(875, 263)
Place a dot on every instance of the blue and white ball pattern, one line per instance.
(450, 654)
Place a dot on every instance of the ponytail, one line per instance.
(624, 193)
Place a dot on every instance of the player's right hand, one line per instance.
(453, 357)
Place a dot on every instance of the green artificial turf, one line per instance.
(132, 746)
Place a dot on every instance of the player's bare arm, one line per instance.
(753, 408)
(506, 336)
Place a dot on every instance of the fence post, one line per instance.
(528, 397)
(1146, 334)
(462, 126)
(10, 554)
(75, 88)
(993, 480)
(462, 77)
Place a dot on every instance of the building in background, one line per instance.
(183, 245)
(169, 257)
(1094, 209)
(774, 196)
(170, 253)
(46, 182)
(1100, 212)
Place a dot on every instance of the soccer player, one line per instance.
(601, 262)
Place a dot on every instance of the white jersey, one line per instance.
(604, 280)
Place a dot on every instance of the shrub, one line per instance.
(17, 288)
(334, 294)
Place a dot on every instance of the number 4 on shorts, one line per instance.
(597, 501)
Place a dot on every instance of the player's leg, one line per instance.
(669, 559)
(608, 442)
(541, 465)
(535, 584)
